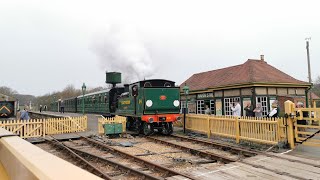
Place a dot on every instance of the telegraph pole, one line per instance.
(309, 68)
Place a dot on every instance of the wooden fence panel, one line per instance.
(197, 123)
(261, 130)
(223, 126)
(40, 127)
(24, 128)
(66, 125)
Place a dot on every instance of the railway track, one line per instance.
(194, 151)
(80, 161)
(146, 164)
(145, 169)
(236, 149)
(82, 158)
(221, 146)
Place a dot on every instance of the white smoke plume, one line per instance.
(120, 49)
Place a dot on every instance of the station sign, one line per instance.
(205, 95)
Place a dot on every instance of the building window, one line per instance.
(228, 103)
(212, 106)
(182, 105)
(263, 101)
(200, 107)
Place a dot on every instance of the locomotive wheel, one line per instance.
(147, 129)
(167, 129)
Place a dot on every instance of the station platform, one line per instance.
(20, 159)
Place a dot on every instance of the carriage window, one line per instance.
(94, 99)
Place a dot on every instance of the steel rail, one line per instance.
(254, 152)
(145, 163)
(119, 166)
(201, 153)
(91, 168)
(241, 150)
(219, 145)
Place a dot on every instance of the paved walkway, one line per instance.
(309, 149)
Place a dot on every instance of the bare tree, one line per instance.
(7, 91)
(316, 86)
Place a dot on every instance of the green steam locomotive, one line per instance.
(148, 104)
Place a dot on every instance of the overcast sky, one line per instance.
(46, 45)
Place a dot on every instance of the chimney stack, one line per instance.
(262, 57)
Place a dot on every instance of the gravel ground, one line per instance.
(200, 147)
(80, 144)
(173, 158)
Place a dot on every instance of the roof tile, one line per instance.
(248, 72)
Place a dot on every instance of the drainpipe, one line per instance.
(307, 94)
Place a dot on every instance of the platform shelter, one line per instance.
(254, 81)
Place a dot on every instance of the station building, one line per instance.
(315, 99)
(254, 81)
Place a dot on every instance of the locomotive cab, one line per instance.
(114, 96)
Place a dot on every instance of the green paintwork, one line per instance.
(108, 129)
(159, 105)
(126, 106)
(118, 128)
(99, 104)
(113, 77)
(131, 103)
(96, 103)
(112, 128)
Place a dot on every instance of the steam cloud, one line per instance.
(121, 50)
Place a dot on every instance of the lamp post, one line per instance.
(83, 92)
(52, 106)
(309, 71)
(186, 92)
